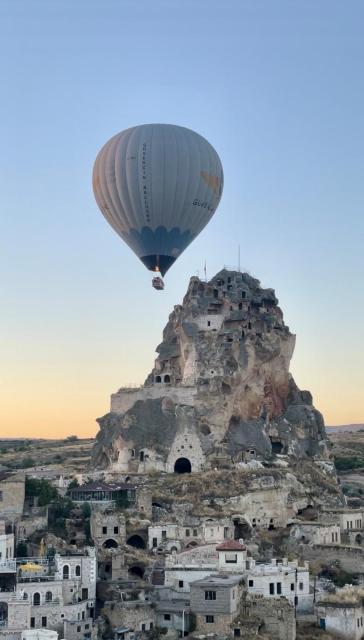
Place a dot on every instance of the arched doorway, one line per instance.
(110, 544)
(182, 465)
(358, 539)
(66, 572)
(136, 541)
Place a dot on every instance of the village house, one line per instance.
(215, 601)
(342, 612)
(313, 532)
(287, 579)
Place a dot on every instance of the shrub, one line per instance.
(42, 489)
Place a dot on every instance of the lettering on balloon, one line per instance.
(203, 205)
(144, 177)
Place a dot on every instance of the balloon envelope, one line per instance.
(158, 185)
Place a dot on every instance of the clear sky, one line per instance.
(277, 87)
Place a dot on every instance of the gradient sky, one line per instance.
(277, 87)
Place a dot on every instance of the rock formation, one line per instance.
(220, 392)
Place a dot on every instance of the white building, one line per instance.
(39, 634)
(232, 556)
(316, 532)
(286, 579)
(342, 613)
(6, 543)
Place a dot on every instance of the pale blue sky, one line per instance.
(277, 86)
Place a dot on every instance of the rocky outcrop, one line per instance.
(220, 391)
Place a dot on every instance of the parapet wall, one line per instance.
(124, 399)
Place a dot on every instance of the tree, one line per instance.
(42, 489)
(72, 438)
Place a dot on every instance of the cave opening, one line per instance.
(182, 465)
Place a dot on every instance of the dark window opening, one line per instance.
(279, 588)
(110, 544)
(116, 530)
(78, 570)
(277, 446)
(210, 619)
(167, 379)
(136, 541)
(158, 379)
(180, 584)
(136, 571)
(271, 588)
(167, 616)
(210, 595)
(44, 621)
(251, 583)
(104, 530)
(66, 572)
(141, 456)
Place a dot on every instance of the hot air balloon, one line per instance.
(158, 185)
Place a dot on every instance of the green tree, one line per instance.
(42, 489)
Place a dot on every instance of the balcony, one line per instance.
(8, 566)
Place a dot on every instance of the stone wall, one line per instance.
(12, 492)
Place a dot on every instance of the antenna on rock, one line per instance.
(205, 272)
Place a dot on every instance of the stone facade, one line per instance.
(12, 492)
(342, 613)
(107, 528)
(215, 600)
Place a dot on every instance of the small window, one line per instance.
(180, 584)
(155, 543)
(271, 588)
(44, 621)
(25, 596)
(210, 595)
(236, 633)
(116, 530)
(251, 583)
(195, 533)
(1, 496)
(208, 323)
(279, 588)
(36, 599)
(48, 596)
(300, 586)
(164, 534)
(87, 626)
(167, 616)
(78, 629)
(292, 586)
(104, 530)
(143, 626)
(187, 533)
(78, 570)
(32, 623)
(210, 619)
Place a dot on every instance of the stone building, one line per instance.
(276, 618)
(215, 601)
(107, 528)
(12, 492)
(316, 532)
(342, 613)
(287, 579)
(6, 542)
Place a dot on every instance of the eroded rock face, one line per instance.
(220, 389)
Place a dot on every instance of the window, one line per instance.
(78, 629)
(195, 533)
(83, 615)
(66, 572)
(167, 616)
(44, 621)
(143, 626)
(208, 323)
(279, 588)
(116, 529)
(78, 570)
(164, 535)
(155, 542)
(231, 558)
(187, 533)
(300, 586)
(132, 451)
(87, 626)
(36, 599)
(151, 625)
(236, 633)
(210, 619)
(48, 596)
(226, 532)
(180, 584)
(292, 586)
(251, 583)
(32, 623)
(210, 595)
(1, 496)
(25, 596)
(271, 588)
(104, 530)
